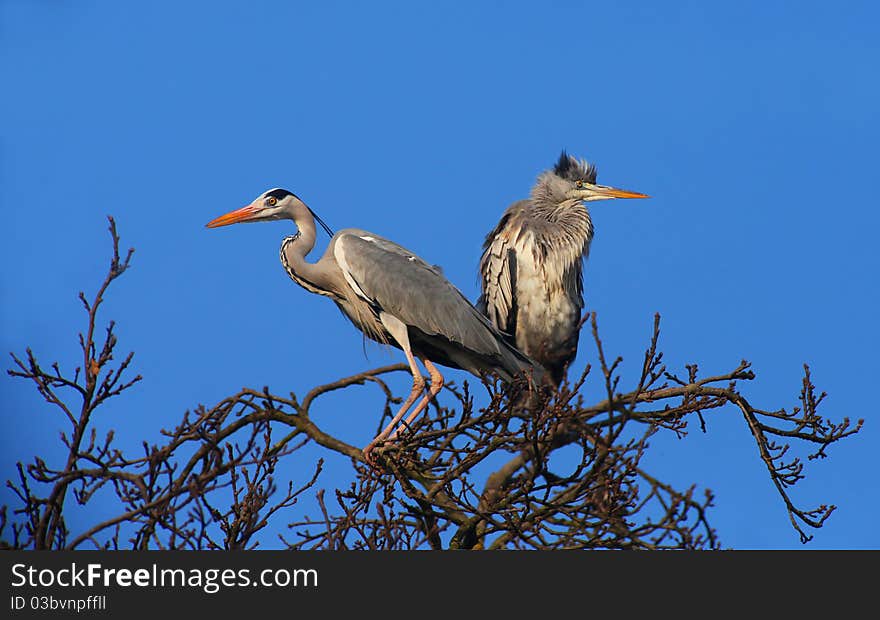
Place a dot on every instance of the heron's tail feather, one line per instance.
(526, 381)
(515, 363)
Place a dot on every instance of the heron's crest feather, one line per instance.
(572, 169)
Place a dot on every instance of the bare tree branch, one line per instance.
(466, 476)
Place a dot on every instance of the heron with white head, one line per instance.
(531, 270)
(392, 296)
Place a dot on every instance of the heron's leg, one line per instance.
(397, 329)
(436, 386)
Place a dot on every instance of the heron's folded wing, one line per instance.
(498, 277)
(396, 281)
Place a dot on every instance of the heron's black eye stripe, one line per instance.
(279, 194)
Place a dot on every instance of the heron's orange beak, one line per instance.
(234, 217)
(612, 192)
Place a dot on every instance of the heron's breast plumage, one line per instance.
(548, 299)
(285, 262)
(531, 275)
(346, 299)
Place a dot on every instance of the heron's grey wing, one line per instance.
(396, 281)
(498, 273)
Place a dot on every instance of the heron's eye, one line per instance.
(271, 201)
(580, 184)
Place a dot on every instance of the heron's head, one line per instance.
(275, 204)
(576, 180)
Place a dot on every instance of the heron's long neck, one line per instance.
(569, 220)
(294, 250)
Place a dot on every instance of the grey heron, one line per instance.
(531, 270)
(392, 296)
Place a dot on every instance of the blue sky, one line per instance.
(753, 126)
